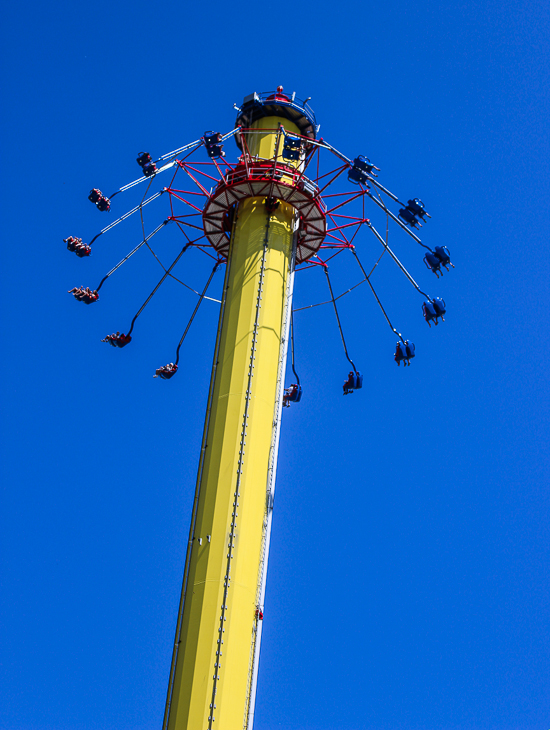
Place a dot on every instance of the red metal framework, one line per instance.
(326, 189)
(260, 179)
(329, 218)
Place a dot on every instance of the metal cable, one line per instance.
(143, 178)
(128, 214)
(400, 223)
(112, 271)
(354, 252)
(145, 240)
(397, 261)
(292, 345)
(146, 302)
(329, 301)
(216, 265)
(338, 320)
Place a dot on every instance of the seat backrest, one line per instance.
(429, 311)
(400, 352)
(416, 206)
(442, 253)
(356, 175)
(362, 163)
(432, 261)
(407, 215)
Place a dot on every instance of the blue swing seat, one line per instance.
(295, 395)
(433, 309)
(408, 216)
(442, 253)
(143, 158)
(354, 382)
(212, 141)
(361, 169)
(292, 148)
(433, 262)
(404, 352)
(149, 169)
(416, 207)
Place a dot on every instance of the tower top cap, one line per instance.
(277, 104)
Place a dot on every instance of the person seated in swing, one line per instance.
(76, 246)
(82, 249)
(291, 395)
(85, 295)
(349, 384)
(117, 340)
(166, 371)
(111, 339)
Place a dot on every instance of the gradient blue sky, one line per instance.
(408, 582)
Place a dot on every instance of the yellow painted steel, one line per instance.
(224, 558)
(268, 144)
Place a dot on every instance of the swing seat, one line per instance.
(104, 204)
(406, 215)
(416, 207)
(442, 253)
(354, 382)
(97, 197)
(292, 148)
(400, 353)
(429, 312)
(167, 372)
(149, 169)
(76, 246)
(434, 309)
(295, 395)
(212, 142)
(404, 352)
(357, 176)
(364, 164)
(360, 170)
(143, 158)
(120, 341)
(411, 349)
(433, 261)
(439, 306)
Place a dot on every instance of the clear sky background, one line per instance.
(408, 582)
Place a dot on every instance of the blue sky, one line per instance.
(408, 579)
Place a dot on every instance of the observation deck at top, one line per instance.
(276, 104)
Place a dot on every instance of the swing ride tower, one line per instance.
(281, 205)
(215, 659)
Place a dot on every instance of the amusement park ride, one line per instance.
(290, 201)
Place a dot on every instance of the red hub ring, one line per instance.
(266, 179)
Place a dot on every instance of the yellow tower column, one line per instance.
(212, 679)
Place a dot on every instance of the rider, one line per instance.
(350, 382)
(166, 371)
